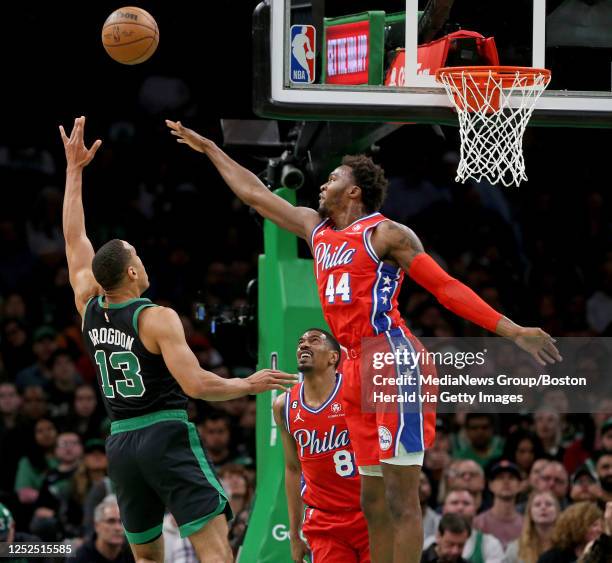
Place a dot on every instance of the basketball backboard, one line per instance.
(376, 60)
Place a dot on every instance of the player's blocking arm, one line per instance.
(401, 245)
(293, 471)
(161, 331)
(248, 187)
(79, 251)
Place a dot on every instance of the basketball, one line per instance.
(130, 35)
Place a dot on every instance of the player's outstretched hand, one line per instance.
(299, 549)
(77, 154)
(268, 379)
(539, 344)
(188, 136)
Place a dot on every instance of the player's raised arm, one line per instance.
(248, 187)
(293, 471)
(161, 331)
(79, 250)
(399, 244)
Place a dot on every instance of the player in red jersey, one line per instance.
(320, 467)
(357, 305)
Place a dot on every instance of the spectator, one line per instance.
(523, 448)
(554, 478)
(246, 426)
(453, 532)
(603, 470)
(535, 475)
(43, 346)
(547, 424)
(438, 458)
(9, 534)
(11, 435)
(10, 401)
(34, 403)
(14, 307)
(431, 518)
(577, 525)
(234, 479)
(599, 305)
(64, 380)
(56, 516)
(584, 485)
(469, 475)
(16, 349)
(216, 435)
(483, 445)
(536, 536)
(599, 550)
(502, 520)
(479, 547)
(84, 417)
(40, 459)
(92, 470)
(109, 542)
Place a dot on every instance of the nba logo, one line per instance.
(302, 70)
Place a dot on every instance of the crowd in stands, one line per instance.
(527, 487)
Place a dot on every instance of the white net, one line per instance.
(494, 106)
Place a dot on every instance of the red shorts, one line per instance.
(336, 537)
(379, 428)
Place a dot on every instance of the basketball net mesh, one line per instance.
(493, 110)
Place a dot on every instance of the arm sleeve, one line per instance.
(451, 293)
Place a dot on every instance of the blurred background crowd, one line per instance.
(526, 484)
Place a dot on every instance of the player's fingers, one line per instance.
(79, 129)
(63, 134)
(286, 377)
(553, 351)
(538, 359)
(179, 140)
(175, 133)
(278, 388)
(547, 357)
(94, 148)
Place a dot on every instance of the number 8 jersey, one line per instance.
(330, 481)
(133, 381)
(358, 291)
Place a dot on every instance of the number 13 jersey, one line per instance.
(133, 381)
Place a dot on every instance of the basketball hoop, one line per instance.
(494, 104)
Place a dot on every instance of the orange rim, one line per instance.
(506, 73)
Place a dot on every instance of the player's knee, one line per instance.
(404, 509)
(373, 506)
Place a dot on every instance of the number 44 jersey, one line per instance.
(133, 381)
(330, 481)
(358, 291)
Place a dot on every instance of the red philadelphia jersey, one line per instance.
(358, 291)
(330, 481)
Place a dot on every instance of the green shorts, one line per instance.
(156, 462)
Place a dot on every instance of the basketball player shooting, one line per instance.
(360, 258)
(146, 371)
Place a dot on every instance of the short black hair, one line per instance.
(601, 453)
(332, 342)
(474, 415)
(454, 523)
(109, 264)
(370, 178)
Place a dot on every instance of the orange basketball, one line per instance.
(130, 35)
